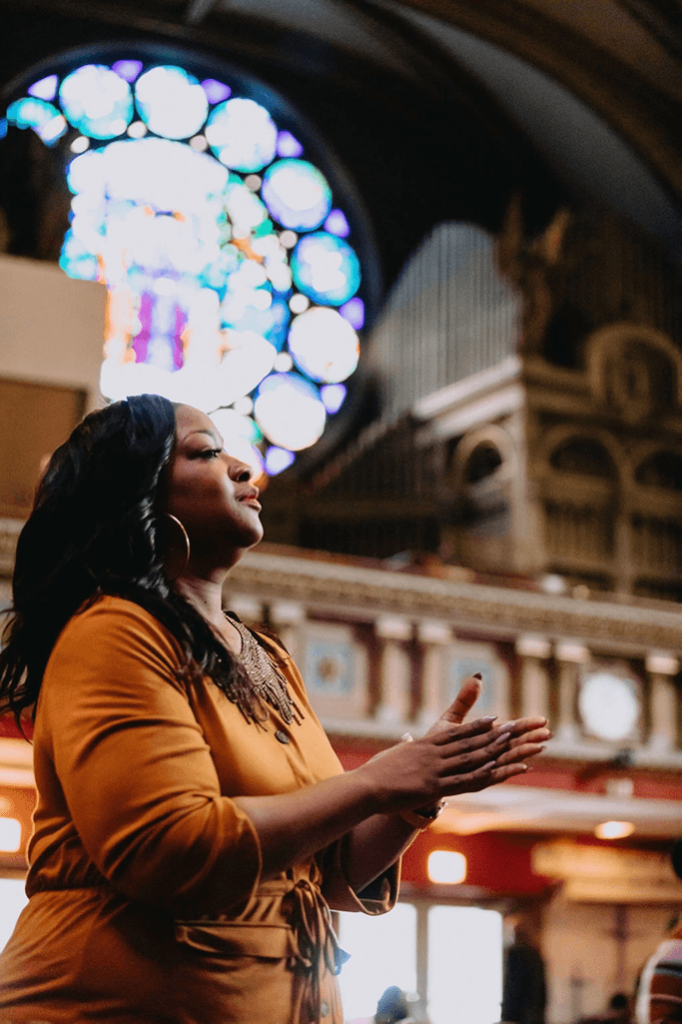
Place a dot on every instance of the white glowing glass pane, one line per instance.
(137, 130)
(10, 835)
(244, 209)
(80, 144)
(609, 705)
(324, 345)
(96, 101)
(233, 425)
(155, 172)
(299, 303)
(118, 381)
(326, 268)
(289, 411)
(248, 360)
(465, 965)
(383, 953)
(13, 899)
(296, 194)
(45, 89)
(242, 135)
(171, 102)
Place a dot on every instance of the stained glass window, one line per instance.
(234, 281)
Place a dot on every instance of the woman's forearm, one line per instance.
(294, 826)
(365, 803)
(373, 846)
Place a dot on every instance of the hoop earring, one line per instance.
(175, 565)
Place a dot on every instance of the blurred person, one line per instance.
(193, 824)
(393, 1006)
(524, 989)
(658, 998)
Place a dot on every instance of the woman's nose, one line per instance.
(239, 472)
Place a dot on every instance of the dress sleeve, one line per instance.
(378, 897)
(136, 772)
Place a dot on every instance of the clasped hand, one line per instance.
(454, 758)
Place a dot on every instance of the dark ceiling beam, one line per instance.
(662, 19)
(644, 116)
(197, 10)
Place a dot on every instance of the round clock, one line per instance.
(609, 704)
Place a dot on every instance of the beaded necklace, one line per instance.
(266, 680)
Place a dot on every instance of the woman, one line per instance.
(193, 824)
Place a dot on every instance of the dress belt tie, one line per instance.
(318, 947)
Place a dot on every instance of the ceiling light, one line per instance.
(447, 866)
(614, 829)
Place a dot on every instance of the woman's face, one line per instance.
(211, 493)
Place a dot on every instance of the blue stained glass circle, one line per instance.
(242, 135)
(326, 268)
(41, 116)
(296, 194)
(96, 101)
(171, 102)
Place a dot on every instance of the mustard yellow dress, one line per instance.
(146, 902)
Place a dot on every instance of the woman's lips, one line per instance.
(250, 498)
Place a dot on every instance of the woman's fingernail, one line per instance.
(489, 718)
(477, 675)
(489, 766)
(503, 737)
(406, 737)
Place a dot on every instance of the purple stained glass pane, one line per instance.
(288, 145)
(354, 312)
(128, 69)
(45, 89)
(336, 224)
(277, 460)
(333, 397)
(215, 91)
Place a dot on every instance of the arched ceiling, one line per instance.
(439, 109)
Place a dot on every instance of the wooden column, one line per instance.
(661, 669)
(435, 638)
(534, 652)
(394, 703)
(570, 657)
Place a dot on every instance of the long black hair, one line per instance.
(96, 528)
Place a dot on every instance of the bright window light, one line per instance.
(10, 835)
(464, 965)
(12, 902)
(383, 952)
(208, 240)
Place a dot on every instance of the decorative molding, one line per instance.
(635, 627)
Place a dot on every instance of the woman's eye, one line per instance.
(210, 453)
